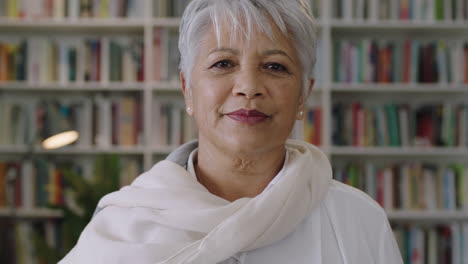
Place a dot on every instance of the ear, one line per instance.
(187, 94)
(302, 99)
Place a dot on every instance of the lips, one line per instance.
(250, 117)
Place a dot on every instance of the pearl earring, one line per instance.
(189, 110)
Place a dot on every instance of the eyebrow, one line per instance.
(222, 49)
(266, 53)
(277, 52)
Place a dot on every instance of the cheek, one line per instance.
(287, 96)
(209, 97)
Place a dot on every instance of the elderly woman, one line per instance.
(242, 193)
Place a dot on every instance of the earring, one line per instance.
(189, 110)
(300, 114)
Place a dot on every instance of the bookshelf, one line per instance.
(337, 20)
(32, 213)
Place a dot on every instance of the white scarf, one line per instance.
(166, 216)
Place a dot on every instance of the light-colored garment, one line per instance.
(166, 216)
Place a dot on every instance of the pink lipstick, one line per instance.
(250, 117)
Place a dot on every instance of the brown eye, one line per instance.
(223, 64)
(276, 67)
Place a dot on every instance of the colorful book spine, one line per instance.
(71, 9)
(401, 61)
(171, 124)
(71, 60)
(396, 125)
(409, 186)
(401, 10)
(313, 126)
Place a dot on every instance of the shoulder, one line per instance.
(354, 212)
(352, 201)
(360, 225)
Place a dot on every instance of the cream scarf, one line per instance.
(166, 216)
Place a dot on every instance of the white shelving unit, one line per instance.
(400, 88)
(431, 216)
(398, 151)
(325, 91)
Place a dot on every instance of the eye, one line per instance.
(223, 64)
(276, 67)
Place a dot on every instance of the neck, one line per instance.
(233, 175)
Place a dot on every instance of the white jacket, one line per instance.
(349, 228)
(301, 217)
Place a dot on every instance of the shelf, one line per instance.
(78, 87)
(31, 213)
(132, 150)
(399, 87)
(398, 25)
(438, 216)
(163, 150)
(398, 151)
(173, 22)
(119, 24)
(166, 86)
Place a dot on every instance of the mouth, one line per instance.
(249, 117)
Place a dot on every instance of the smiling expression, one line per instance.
(245, 94)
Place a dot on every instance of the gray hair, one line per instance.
(292, 17)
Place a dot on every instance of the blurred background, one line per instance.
(90, 98)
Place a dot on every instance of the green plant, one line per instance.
(86, 195)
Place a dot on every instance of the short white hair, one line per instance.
(292, 17)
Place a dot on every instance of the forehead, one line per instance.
(226, 35)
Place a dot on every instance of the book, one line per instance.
(409, 185)
(312, 125)
(400, 124)
(67, 60)
(401, 61)
(400, 10)
(171, 124)
(71, 9)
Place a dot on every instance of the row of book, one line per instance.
(166, 55)
(71, 9)
(39, 183)
(172, 126)
(71, 60)
(403, 10)
(175, 8)
(390, 124)
(409, 185)
(100, 121)
(401, 61)
(313, 125)
(431, 244)
(169, 8)
(30, 185)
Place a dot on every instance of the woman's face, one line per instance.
(245, 95)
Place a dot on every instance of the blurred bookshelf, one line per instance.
(396, 68)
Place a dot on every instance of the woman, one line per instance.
(242, 193)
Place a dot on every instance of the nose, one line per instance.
(248, 84)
